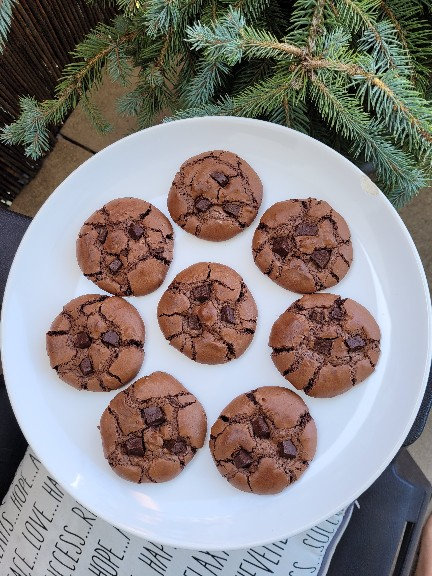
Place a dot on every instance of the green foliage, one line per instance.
(356, 74)
(30, 129)
(103, 47)
(95, 116)
(205, 83)
(6, 7)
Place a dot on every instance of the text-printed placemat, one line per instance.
(45, 532)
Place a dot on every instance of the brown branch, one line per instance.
(280, 46)
(287, 111)
(333, 8)
(391, 16)
(316, 25)
(159, 61)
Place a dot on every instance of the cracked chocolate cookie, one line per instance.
(303, 245)
(215, 195)
(208, 313)
(126, 247)
(324, 344)
(96, 343)
(263, 440)
(151, 430)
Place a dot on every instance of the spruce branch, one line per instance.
(95, 115)
(229, 39)
(118, 65)
(207, 80)
(397, 103)
(129, 7)
(30, 129)
(338, 107)
(388, 11)
(415, 35)
(223, 107)
(293, 113)
(130, 103)
(361, 15)
(305, 21)
(358, 15)
(353, 73)
(250, 9)
(261, 44)
(262, 98)
(161, 15)
(6, 7)
(78, 78)
(221, 39)
(251, 73)
(394, 168)
(407, 115)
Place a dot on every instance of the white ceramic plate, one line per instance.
(358, 432)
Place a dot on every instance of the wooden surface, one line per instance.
(43, 34)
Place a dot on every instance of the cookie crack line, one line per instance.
(115, 377)
(236, 168)
(282, 349)
(100, 299)
(312, 380)
(101, 385)
(134, 343)
(58, 332)
(213, 331)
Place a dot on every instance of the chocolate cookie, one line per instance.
(208, 313)
(324, 344)
(126, 247)
(303, 245)
(264, 440)
(151, 430)
(215, 195)
(96, 343)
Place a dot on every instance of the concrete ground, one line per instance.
(77, 141)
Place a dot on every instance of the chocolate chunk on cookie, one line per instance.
(208, 313)
(324, 344)
(264, 440)
(97, 342)
(126, 247)
(303, 245)
(151, 430)
(215, 195)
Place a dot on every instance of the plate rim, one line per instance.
(397, 444)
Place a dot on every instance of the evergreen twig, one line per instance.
(6, 7)
(352, 73)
